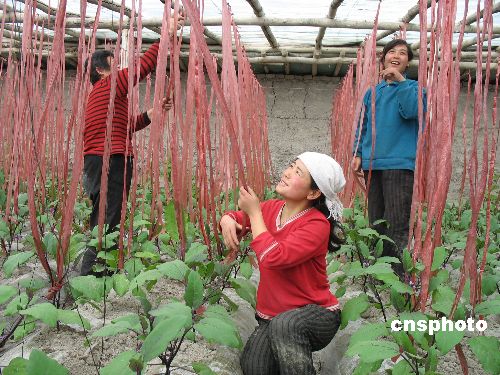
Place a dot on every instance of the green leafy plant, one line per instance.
(414, 351)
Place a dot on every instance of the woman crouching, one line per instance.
(296, 312)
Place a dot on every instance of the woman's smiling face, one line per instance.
(397, 57)
(295, 183)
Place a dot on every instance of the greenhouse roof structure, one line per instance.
(320, 37)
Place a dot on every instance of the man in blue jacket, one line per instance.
(392, 159)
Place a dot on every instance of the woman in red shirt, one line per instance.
(296, 312)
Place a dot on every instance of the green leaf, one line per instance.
(50, 243)
(112, 329)
(24, 329)
(231, 304)
(245, 289)
(432, 359)
(348, 213)
(456, 264)
(419, 266)
(18, 303)
(147, 255)
(333, 267)
(407, 260)
(403, 340)
(175, 269)
(174, 309)
(120, 364)
(72, 317)
(369, 332)
(219, 312)
(139, 223)
(140, 295)
(202, 369)
(171, 221)
(46, 312)
(340, 291)
(371, 351)
(439, 257)
(219, 331)
(368, 232)
(388, 260)
(144, 277)
(385, 238)
(438, 280)
(32, 283)
(246, 270)
(486, 349)
(379, 248)
(446, 340)
(418, 335)
(40, 364)
(364, 368)
(17, 366)
(90, 287)
(353, 309)
(379, 268)
(363, 248)
(164, 238)
(132, 321)
(489, 284)
(6, 292)
(197, 253)
(194, 290)
(15, 261)
(120, 284)
(133, 267)
(491, 307)
(401, 368)
(159, 338)
(442, 299)
(397, 300)
(400, 287)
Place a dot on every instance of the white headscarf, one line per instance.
(329, 177)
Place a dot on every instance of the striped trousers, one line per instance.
(284, 344)
(389, 199)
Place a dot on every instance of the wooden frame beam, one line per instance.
(470, 19)
(407, 18)
(259, 12)
(266, 21)
(332, 12)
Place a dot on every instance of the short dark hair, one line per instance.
(393, 43)
(99, 59)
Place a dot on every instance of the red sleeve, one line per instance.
(304, 243)
(147, 65)
(141, 122)
(238, 215)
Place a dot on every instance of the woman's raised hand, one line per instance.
(230, 229)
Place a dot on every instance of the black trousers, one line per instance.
(389, 199)
(92, 184)
(284, 344)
